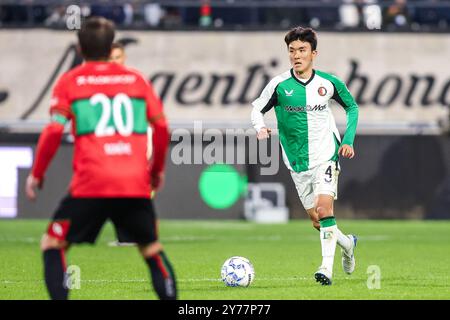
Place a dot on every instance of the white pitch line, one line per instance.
(211, 238)
(27, 239)
(147, 280)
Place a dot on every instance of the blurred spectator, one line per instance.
(56, 17)
(128, 14)
(323, 16)
(153, 13)
(426, 15)
(397, 15)
(172, 18)
(349, 14)
(365, 14)
(104, 9)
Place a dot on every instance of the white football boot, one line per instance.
(348, 257)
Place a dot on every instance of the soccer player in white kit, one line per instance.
(310, 142)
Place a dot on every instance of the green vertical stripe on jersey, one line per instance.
(344, 97)
(293, 126)
(139, 115)
(336, 149)
(87, 116)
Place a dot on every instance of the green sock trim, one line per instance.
(327, 222)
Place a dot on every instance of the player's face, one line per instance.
(117, 56)
(301, 56)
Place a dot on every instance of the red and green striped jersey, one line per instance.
(109, 107)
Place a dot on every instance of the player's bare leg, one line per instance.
(346, 242)
(314, 218)
(343, 240)
(328, 238)
(53, 251)
(163, 276)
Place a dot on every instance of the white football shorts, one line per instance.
(322, 179)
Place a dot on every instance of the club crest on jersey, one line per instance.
(288, 93)
(322, 91)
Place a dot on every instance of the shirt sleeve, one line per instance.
(343, 96)
(266, 101)
(46, 149)
(154, 104)
(160, 135)
(59, 102)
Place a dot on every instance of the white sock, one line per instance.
(328, 240)
(343, 241)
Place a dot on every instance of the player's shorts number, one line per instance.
(120, 100)
(329, 174)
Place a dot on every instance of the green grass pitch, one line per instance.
(413, 257)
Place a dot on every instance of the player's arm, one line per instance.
(47, 146)
(266, 101)
(160, 138)
(345, 99)
(50, 138)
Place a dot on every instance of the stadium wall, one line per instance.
(399, 80)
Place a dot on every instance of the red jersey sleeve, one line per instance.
(154, 104)
(157, 120)
(50, 137)
(59, 102)
(47, 146)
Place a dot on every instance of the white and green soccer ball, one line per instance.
(237, 272)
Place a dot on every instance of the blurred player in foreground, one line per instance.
(109, 107)
(310, 141)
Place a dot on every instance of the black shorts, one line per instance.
(79, 220)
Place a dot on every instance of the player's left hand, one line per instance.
(30, 186)
(157, 181)
(346, 151)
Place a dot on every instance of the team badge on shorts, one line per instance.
(322, 91)
(58, 229)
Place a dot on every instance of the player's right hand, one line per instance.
(157, 181)
(30, 186)
(346, 151)
(264, 133)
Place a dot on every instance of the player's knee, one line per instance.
(49, 242)
(151, 249)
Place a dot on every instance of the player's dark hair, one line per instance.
(117, 45)
(96, 37)
(302, 34)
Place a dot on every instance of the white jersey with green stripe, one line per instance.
(307, 129)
